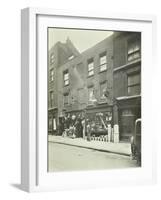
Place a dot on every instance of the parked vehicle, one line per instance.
(136, 142)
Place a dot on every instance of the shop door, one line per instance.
(127, 120)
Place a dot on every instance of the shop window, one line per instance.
(54, 124)
(134, 84)
(66, 77)
(90, 67)
(127, 112)
(50, 123)
(103, 62)
(133, 50)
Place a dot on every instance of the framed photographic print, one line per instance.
(86, 104)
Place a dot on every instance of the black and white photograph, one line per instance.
(94, 99)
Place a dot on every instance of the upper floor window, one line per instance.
(91, 95)
(52, 58)
(66, 77)
(90, 67)
(51, 98)
(133, 50)
(134, 84)
(51, 74)
(103, 62)
(66, 99)
(103, 88)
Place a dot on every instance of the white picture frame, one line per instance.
(33, 175)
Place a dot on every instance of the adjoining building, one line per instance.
(83, 80)
(127, 81)
(103, 80)
(59, 54)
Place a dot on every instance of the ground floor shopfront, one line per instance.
(129, 110)
(120, 117)
(99, 116)
(52, 121)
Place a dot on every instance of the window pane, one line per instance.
(66, 99)
(51, 75)
(90, 66)
(90, 73)
(66, 76)
(136, 55)
(136, 47)
(133, 56)
(134, 79)
(102, 89)
(90, 94)
(127, 112)
(130, 57)
(130, 50)
(134, 90)
(52, 58)
(133, 50)
(103, 67)
(66, 82)
(103, 59)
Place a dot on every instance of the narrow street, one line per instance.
(69, 158)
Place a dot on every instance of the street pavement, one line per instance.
(118, 148)
(62, 157)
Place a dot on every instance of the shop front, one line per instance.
(52, 121)
(129, 111)
(100, 117)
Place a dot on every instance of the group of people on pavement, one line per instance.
(71, 125)
(75, 126)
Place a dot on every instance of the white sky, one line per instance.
(82, 39)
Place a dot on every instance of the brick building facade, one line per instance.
(98, 80)
(57, 56)
(127, 81)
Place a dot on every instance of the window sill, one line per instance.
(102, 71)
(66, 85)
(133, 60)
(89, 76)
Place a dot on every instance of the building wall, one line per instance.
(80, 81)
(120, 46)
(129, 105)
(121, 77)
(120, 60)
(52, 85)
(61, 52)
(115, 79)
